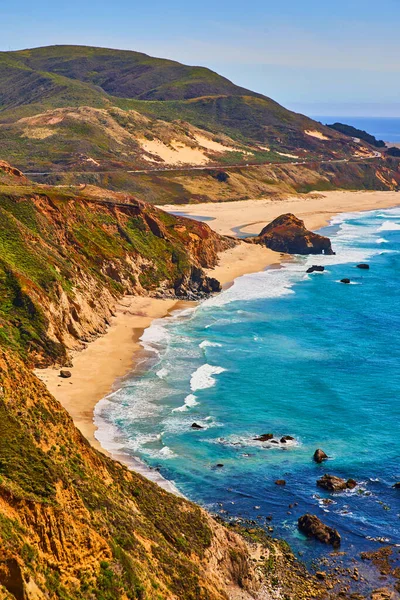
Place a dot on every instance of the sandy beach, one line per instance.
(250, 216)
(97, 369)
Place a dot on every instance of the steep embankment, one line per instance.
(66, 256)
(69, 108)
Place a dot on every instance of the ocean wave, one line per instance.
(389, 226)
(207, 344)
(162, 373)
(203, 378)
(189, 401)
(381, 241)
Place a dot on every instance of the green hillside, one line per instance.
(43, 80)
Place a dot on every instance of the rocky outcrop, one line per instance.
(335, 484)
(265, 437)
(313, 527)
(288, 234)
(363, 266)
(316, 269)
(345, 280)
(319, 456)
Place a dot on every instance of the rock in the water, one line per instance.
(313, 527)
(363, 266)
(397, 486)
(265, 437)
(345, 280)
(65, 374)
(335, 484)
(196, 426)
(288, 234)
(286, 438)
(319, 456)
(315, 268)
(280, 482)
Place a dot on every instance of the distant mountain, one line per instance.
(64, 107)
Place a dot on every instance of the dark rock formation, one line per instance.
(265, 437)
(288, 234)
(196, 426)
(345, 280)
(315, 268)
(313, 527)
(397, 486)
(65, 374)
(286, 438)
(335, 484)
(280, 482)
(319, 456)
(363, 266)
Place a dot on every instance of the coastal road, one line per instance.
(203, 168)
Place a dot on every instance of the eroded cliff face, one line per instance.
(75, 524)
(67, 255)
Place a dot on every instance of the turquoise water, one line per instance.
(291, 354)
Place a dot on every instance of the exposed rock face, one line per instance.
(335, 484)
(91, 247)
(316, 269)
(313, 527)
(319, 456)
(265, 437)
(288, 234)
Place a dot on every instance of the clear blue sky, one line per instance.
(320, 57)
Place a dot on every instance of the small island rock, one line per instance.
(280, 482)
(288, 234)
(345, 280)
(313, 527)
(363, 266)
(196, 426)
(265, 437)
(319, 456)
(315, 268)
(335, 484)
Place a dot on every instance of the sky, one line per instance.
(318, 57)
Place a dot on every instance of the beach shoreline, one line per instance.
(99, 368)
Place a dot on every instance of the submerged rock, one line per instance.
(315, 268)
(319, 456)
(265, 437)
(345, 280)
(288, 234)
(363, 266)
(280, 482)
(65, 374)
(335, 484)
(313, 527)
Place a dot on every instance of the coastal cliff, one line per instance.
(69, 253)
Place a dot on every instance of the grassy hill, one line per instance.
(60, 107)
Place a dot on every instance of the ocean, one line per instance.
(383, 128)
(287, 353)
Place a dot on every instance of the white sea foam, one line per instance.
(189, 401)
(203, 378)
(389, 226)
(162, 373)
(166, 452)
(381, 241)
(155, 337)
(207, 344)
